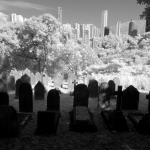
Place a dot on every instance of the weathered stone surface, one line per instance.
(93, 88)
(4, 98)
(53, 100)
(11, 83)
(25, 98)
(18, 83)
(81, 95)
(26, 78)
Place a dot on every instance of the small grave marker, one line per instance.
(11, 83)
(18, 83)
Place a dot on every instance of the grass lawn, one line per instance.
(65, 140)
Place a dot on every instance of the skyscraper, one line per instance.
(118, 26)
(104, 21)
(59, 14)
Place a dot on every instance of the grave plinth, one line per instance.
(81, 120)
(47, 122)
(115, 119)
(141, 121)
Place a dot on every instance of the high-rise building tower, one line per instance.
(13, 17)
(59, 14)
(104, 21)
(118, 26)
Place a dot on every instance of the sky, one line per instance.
(76, 11)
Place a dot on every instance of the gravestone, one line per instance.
(81, 95)
(39, 91)
(4, 77)
(26, 71)
(117, 83)
(25, 98)
(71, 79)
(130, 98)
(93, 88)
(104, 95)
(32, 79)
(37, 77)
(11, 83)
(25, 78)
(53, 100)
(111, 84)
(18, 83)
(3, 86)
(45, 79)
(58, 80)
(8, 122)
(47, 122)
(4, 98)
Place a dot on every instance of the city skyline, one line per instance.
(79, 11)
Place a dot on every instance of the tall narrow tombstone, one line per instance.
(71, 79)
(25, 98)
(93, 88)
(11, 83)
(3, 86)
(117, 83)
(130, 98)
(104, 95)
(81, 95)
(39, 91)
(37, 77)
(8, 122)
(58, 80)
(32, 79)
(18, 83)
(111, 84)
(4, 98)
(53, 100)
(26, 78)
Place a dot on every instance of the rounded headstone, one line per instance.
(4, 98)
(11, 83)
(18, 83)
(53, 100)
(8, 122)
(25, 78)
(81, 95)
(25, 98)
(93, 88)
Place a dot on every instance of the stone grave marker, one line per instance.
(25, 97)
(81, 95)
(26, 78)
(37, 77)
(71, 79)
(26, 71)
(4, 98)
(58, 80)
(39, 91)
(53, 100)
(3, 86)
(111, 84)
(32, 79)
(117, 83)
(93, 88)
(130, 98)
(11, 83)
(104, 95)
(8, 122)
(18, 83)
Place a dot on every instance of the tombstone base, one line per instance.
(141, 122)
(23, 119)
(115, 120)
(82, 121)
(47, 122)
